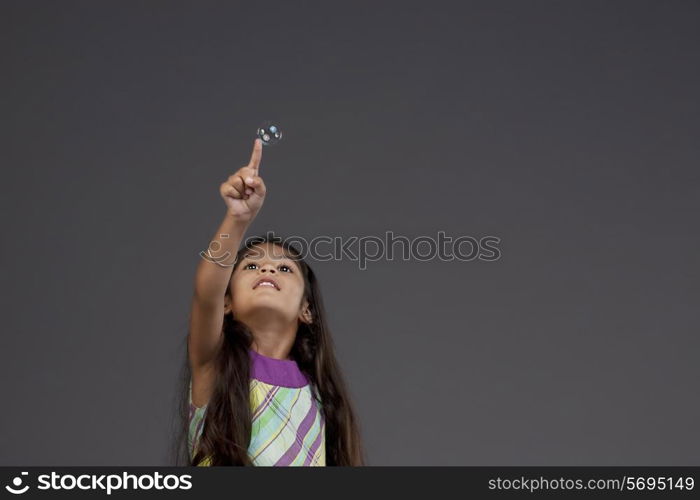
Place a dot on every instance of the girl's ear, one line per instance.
(227, 304)
(305, 315)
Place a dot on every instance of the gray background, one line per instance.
(569, 130)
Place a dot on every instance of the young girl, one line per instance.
(264, 385)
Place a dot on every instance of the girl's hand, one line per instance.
(244, 191)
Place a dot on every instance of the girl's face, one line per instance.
(267, 281)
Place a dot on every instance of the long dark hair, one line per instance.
(227, 428)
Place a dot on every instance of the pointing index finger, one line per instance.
(257, 154)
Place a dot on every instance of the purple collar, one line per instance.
(273, 371)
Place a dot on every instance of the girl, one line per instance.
(264, 387)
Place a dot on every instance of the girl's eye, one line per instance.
(285, 268)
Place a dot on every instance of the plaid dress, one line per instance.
(287, 427)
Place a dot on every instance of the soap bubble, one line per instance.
(269, 133)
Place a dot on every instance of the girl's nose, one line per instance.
(268, 268)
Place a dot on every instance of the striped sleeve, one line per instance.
(196, 424)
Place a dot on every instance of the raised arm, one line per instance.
(243, 193)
